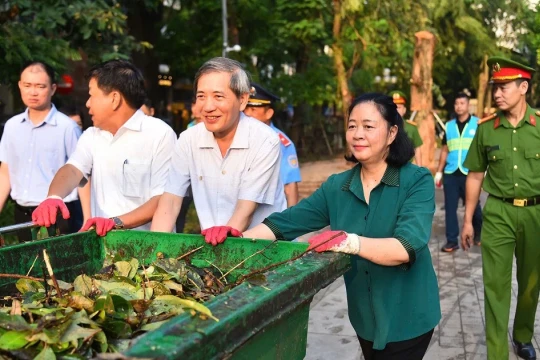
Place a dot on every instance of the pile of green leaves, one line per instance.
(101, 313)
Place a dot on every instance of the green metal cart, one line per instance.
(255, 322)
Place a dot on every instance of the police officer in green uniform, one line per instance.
(410, 126)
(507, 145)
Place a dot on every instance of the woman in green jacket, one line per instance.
(380, 213)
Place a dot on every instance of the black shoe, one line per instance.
(524, 350)
(450, 247)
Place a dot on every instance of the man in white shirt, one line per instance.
(230, 160)
(35, 144)
(126, 152)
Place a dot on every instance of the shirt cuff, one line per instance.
(257, 198)
(412, 254)
(273, 227)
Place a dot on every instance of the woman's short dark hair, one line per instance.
(402, 148)
(121, 76)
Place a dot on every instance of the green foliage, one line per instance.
(7, 217)
(55, 31)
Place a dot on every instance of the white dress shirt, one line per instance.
(127, 169)
(248, 171)
(34, 153)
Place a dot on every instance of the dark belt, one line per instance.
(532, 201)
(25, 209)
(31, 209)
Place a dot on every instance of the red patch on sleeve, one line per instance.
(284, 140)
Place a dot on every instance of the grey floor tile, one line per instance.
(324, 347)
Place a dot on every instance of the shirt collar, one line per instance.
(49, 119)
(135, 121)
(240, 140)
(529, 116)
(466, 121)
(390, 177)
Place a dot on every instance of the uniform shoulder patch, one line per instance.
(293, 161)
(487, 118)
(284, 140)
(413, 123)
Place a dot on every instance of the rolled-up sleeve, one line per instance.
(82, 158)
(161, 163)
(415, 217)
(179, 179)
(262, 181)
(310, 214)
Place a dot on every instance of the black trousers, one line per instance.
(413, 349)
(72, 225)
(181, 219)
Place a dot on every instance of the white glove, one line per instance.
(438, 179)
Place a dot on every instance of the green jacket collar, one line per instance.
(530, 117)
(390, 177)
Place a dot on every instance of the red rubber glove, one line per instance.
(46, 212)
(340, 242)
(217, 234)
(102, 225)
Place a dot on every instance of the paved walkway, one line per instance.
(460, 334)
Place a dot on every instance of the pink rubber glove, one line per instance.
(102, 225)
(217, 234)
(340, 242)
(46, 212)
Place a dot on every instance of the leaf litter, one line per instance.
(102, 313)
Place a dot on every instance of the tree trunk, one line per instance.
(481, 108)
(143, 24)
(232, 17)
(421, 94)
(343, 86)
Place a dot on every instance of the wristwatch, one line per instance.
(118, 224)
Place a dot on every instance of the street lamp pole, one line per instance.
(225, 27)
(386, 79)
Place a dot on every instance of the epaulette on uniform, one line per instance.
(487, 118)
(413, 123)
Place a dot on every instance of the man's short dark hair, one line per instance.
(121, 76)
(46, 67)
(402, 148)
(148, 103)
(462, 95)
(72, 110)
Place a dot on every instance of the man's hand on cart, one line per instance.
(101, 225)
(217, 234)
(46, 212)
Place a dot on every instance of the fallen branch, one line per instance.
(189, 252)
(242, 278)
(51, 273)
(218, 269)
(17, 276)
(34, 263)
(249, 257)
